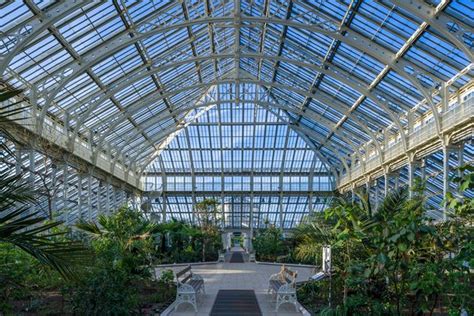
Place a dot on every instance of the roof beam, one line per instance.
(398, 56)
(452, 29)
(122, 40)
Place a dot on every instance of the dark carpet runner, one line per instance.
(236, 303)
(236, 257)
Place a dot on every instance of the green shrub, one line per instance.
(123, 247)
(268, 244)
(396, 260)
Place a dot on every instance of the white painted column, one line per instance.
(89, 197)
(54, 183)
(460, 158)
(79, 195)
(31, 180)
(446, 152)
(412, 165)
(423, 169)
(386, 182)
(377, 198)
(107, 198)
(397, 181)
(99, 197)
(281, 208)
(65, 192)
(114, 198)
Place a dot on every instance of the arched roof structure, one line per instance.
(126, 76)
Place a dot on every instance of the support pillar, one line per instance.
(222, 206)
(377, 198)
(412, 165)
(460, 158)
(31, 180)
(423, 169)
(250, 245)
(99, 197)
(121, 197)
(107, 197)
(447, 150)
(53, 191)
(310, 205)
(89, 197)
(367, 188)
(251, 227)
(79, 195)
(164, 207)
(386, 181)
(281, 210)
(113, 198)
(65, 192)
(397, 182)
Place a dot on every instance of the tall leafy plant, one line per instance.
(268, 244)
(123, 246)
(395, 260)
(206, 211)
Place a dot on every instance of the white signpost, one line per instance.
(326, 264)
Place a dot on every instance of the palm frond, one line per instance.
(29, 232)
(89, 227)
(394, 202)
(26, 229)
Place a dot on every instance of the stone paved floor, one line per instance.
(239, 276)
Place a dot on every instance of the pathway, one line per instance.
(239, 276)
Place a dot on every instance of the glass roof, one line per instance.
(115, 74)
(138, 79)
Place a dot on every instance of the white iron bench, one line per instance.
(188, 286)
(283, 285)
(252, 257)
(221, 257)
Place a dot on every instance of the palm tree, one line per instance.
(19, 226)
(129, 233)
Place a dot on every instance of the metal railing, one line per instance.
(458, 115)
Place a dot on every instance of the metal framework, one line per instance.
(131, 90)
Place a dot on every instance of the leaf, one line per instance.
(382, 258)
(402, 247)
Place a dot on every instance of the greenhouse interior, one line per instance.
(237, 157)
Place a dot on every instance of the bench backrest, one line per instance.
(288, 275)
(186, 273)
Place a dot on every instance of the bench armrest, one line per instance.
(185, 288)
(276, 276)
(287, 288)
(196, 277)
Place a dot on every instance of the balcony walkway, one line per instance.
(457, 122)
(239, 276)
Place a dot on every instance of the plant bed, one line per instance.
(41, 303)
(155, 296)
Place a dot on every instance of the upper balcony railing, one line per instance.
(56, 133)
(422, 135)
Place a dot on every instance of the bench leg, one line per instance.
(269, 289)
(286, 298)
(182, 298)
